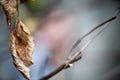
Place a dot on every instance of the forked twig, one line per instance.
(77, 56)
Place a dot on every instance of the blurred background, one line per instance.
(56, 25)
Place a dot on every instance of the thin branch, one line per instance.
(94, 29)
(97, 27)
(77, 56)
(63, 66)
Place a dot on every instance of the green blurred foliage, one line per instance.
(36, 5)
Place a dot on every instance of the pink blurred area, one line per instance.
(56, 28)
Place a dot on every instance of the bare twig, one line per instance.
(63, 66)
(94, 29)
(77, 56)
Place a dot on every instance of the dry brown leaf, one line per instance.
(22, 47)
(10, 7)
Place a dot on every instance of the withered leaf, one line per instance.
(10, 7)
(22, 47)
